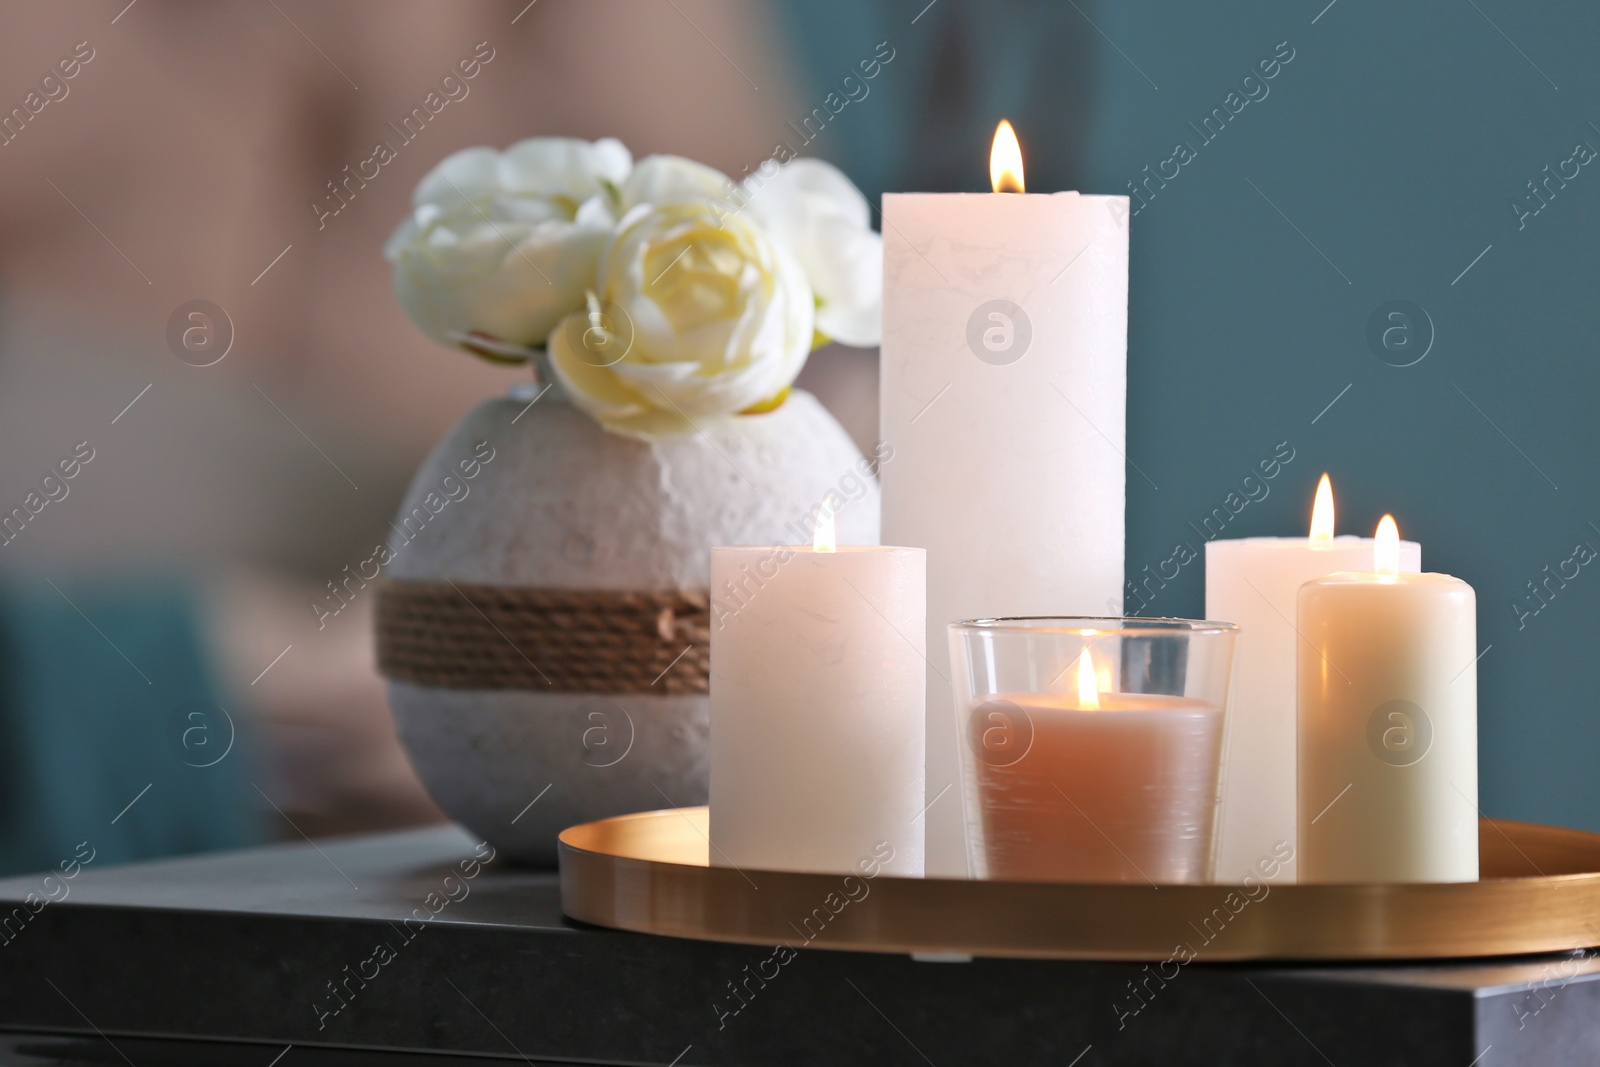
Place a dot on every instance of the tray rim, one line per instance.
(1509, 915)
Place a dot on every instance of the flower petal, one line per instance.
(813, 209)
(506, 244)
(719, 318)
(659, 180)
(562, 166)
(469, 174)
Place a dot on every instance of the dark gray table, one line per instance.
(247, 957)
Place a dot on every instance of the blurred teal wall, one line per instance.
(1382, 163)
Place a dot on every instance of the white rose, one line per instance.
(503, 244)
(697, 314)
(814, 209)
(662, 180)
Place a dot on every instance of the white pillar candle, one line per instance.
(1253, 582)
(1003, 376)
(817, 706)
(1388, 716)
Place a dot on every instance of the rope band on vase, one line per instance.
(457, 636)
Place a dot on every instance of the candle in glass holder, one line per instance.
(1091, 748)
(1115, 787)
(1388, 715)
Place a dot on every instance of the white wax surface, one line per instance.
(817, 704)
(1388, 717)
(1011, 475)
(1253, 582)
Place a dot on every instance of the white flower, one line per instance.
(661, 180)
(824, 220)
(503, 245)
(697, 314)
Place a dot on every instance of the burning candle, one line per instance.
(1388, 714)
(1110, 777)
(817, 705)
(1003, 377)
(1253, 581)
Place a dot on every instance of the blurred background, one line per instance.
(159, 659)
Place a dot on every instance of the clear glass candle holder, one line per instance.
(1091, 748)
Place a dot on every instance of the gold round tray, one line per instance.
(1540, 892)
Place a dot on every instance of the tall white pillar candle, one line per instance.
(1003, 377)
(1253, 582)
(1388, 715)
(817, 707)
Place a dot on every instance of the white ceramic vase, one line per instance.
(563, 505)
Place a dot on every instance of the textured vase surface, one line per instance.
(562, 504)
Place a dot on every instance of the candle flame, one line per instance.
(1386, 547)
(823, 539)
(1088, 683)
(1005, 160)
(1322, 513)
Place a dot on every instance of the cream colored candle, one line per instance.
(1388, 718)
(1253, 581)
(1113, 787)
(1003, 377)
(817, 700)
